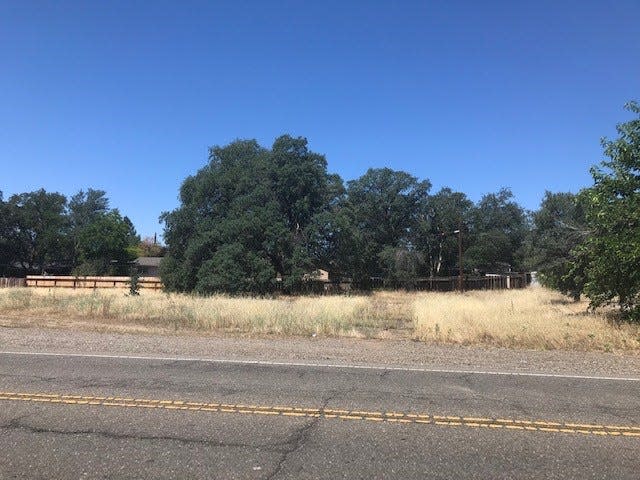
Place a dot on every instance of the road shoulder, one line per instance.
(325, 351)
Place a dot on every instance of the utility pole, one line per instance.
(460, 277)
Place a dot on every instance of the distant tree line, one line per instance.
(258, 219)
(255, 219)
(43, 232)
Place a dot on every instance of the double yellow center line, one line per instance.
(390, 417)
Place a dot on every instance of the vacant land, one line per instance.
(533, 318)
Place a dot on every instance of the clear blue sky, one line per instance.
(127, 96)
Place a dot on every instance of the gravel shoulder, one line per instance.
(339, 351)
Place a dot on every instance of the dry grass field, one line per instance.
(534, 318)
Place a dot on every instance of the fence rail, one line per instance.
(11, 282)
(435, 284)
(444, 284)
(64, 281)
(489, 282)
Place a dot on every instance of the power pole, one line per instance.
(460, 278)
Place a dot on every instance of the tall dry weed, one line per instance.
(533, 318)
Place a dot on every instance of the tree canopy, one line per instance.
(441, 215)
(42, 232)
(590, 243)
(558, 229)
(37, 229)
(256, 219)
(248, 218)
(610, 256)
(383, 207)
(498, 227)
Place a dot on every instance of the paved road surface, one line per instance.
(99, 417)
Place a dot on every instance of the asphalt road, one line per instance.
(98, 417)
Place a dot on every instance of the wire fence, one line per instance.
(438, 284)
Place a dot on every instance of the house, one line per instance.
(148, 266)
(316, 276)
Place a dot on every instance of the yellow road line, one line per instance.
(347, 415)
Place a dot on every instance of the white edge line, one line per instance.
(318, 365)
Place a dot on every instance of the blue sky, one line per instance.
(128, 96)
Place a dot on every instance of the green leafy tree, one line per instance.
(331, 237)
(611, 254)
(248, 218)
(38, 230)
(228, 201)
(497, 231)
(105, 246)
(401, 266)
(383, 209)
(303, 190)
(85, 207)
(442, 215)
(234, 269)
(8, 251)
(558, 229)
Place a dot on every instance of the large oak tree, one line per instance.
(246, 219)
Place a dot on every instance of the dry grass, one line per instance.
(353, 316)
(532, 318)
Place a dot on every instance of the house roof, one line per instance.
(148, 261)
(317, 276)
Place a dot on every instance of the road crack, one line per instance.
(298, 439)
(15, 424)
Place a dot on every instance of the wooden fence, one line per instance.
(12, 282)
(60, 281)
(435, 284)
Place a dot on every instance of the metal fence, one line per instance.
(439, 284)
(489, 282)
